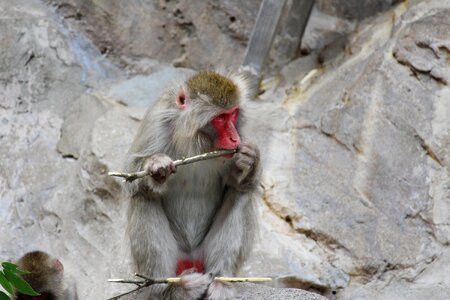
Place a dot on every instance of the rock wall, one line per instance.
(355, 195)
(367, 164)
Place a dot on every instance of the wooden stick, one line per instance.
(243, 279)
(130, 177)
(147, 281)
(178, 280)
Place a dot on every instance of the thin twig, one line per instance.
(138, 282)
(142, 276)
(184, 161)
(243, 279)
(147, 281)
(124, 294)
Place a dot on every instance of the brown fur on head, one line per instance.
(46, 272)
(220, 90)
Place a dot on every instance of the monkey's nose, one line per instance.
(235, 141)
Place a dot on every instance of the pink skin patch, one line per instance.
(227, 135)
(186, 264)
(59, 266)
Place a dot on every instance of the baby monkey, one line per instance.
(46, 277)
(197, 221)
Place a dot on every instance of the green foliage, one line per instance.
(11, 281)
(10, 266)
(6, 284)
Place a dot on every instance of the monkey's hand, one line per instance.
(244, 173)
(193, 286)
(220, 290)
(159, 166)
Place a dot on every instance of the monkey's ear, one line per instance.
(59, 266)
(182, 98)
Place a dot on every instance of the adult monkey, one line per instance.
(200, 222)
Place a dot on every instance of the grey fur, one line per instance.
(204, 211)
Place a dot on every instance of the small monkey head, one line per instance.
(209, 108)
(46, 272)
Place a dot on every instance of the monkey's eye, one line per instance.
(219, 120)
(221, 117)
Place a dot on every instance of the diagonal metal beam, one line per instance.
(264, 31)
(294, 27)
(261, 39)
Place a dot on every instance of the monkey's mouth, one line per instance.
(228, 155)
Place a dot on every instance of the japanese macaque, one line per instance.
(46, 277)
(196, 221)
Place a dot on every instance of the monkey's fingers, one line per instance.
(172, 168)
(249, 150)
(245, 163)
(195, 280)
(160, 176)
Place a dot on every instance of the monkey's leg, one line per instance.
(153, 247)
(229, 241)
(155, 251)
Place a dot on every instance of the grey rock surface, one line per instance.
(249, 291)
(137, 35)
(367, 151)
(355, 196)
(354, 9)
(184, 33)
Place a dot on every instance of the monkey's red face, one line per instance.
(227, 137)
